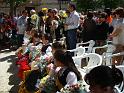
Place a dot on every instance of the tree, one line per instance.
(98, 4)
(85, 4)
(13, 5)
(110, 3)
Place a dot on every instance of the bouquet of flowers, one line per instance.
(77, 88)
(48, 84)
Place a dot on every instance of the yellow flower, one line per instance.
(44, 79)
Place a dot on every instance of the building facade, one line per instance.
(35, 4)
(39, 4)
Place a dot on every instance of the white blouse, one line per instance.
(71, 79)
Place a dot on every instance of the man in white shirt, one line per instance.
(71, 26)
(22, 26)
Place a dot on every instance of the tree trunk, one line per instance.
(11, 8)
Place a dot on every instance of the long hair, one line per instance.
(66, 59)
(58, 45)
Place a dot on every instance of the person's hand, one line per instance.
(110, 37)
(49, 59)
(78, 31)
(50, 69)
(66, 26)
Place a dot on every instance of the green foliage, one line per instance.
(98, 4)
(15, 2)
(85, 4)
(13, 5)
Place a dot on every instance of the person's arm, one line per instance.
(116, 31)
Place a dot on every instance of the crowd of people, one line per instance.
(45, 65)
(7, 28)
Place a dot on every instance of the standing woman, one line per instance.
(118, 35)
(68, 73)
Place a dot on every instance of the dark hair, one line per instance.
(50, 10)
(58, 45)
(119, 11)
(90, 15)
(40, 35)
(31, 80)
(66, 59)
(47, 37)
(67, 11)
(40, 14)
(113, 13)
(73, 6)
(104, 76)
(103, 15)
(24, 11)
(36, 35)
(108, 11)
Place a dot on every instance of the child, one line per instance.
(67, 74)
(102, 79)
(39, 73)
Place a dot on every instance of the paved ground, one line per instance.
(8, 72)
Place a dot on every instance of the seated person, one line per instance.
(67, 74)
(31, 83)
(102, 79)
(45, 52)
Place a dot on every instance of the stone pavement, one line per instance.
(8, 72)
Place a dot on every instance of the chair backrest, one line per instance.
(109, 56)
(116, 54)
(99, 47)
(110, 49)
(89, 47)
(78, 51)
(93, 61)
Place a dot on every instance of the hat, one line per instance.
(44, 9)
(33, 11)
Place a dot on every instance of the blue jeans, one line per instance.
(71, 39)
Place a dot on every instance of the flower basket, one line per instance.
(77, 88)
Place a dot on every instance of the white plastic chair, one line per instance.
(117, 90)
(63, 40)
(110, 49)
(78, 51)
(94, 61)
(109, 56)
(89, 48)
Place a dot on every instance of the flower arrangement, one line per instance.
(48, 85)
(77, 88)
(62, 13)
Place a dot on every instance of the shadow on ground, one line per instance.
(13, 79)
(6, 49)
(13, 69)
(8, 58)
